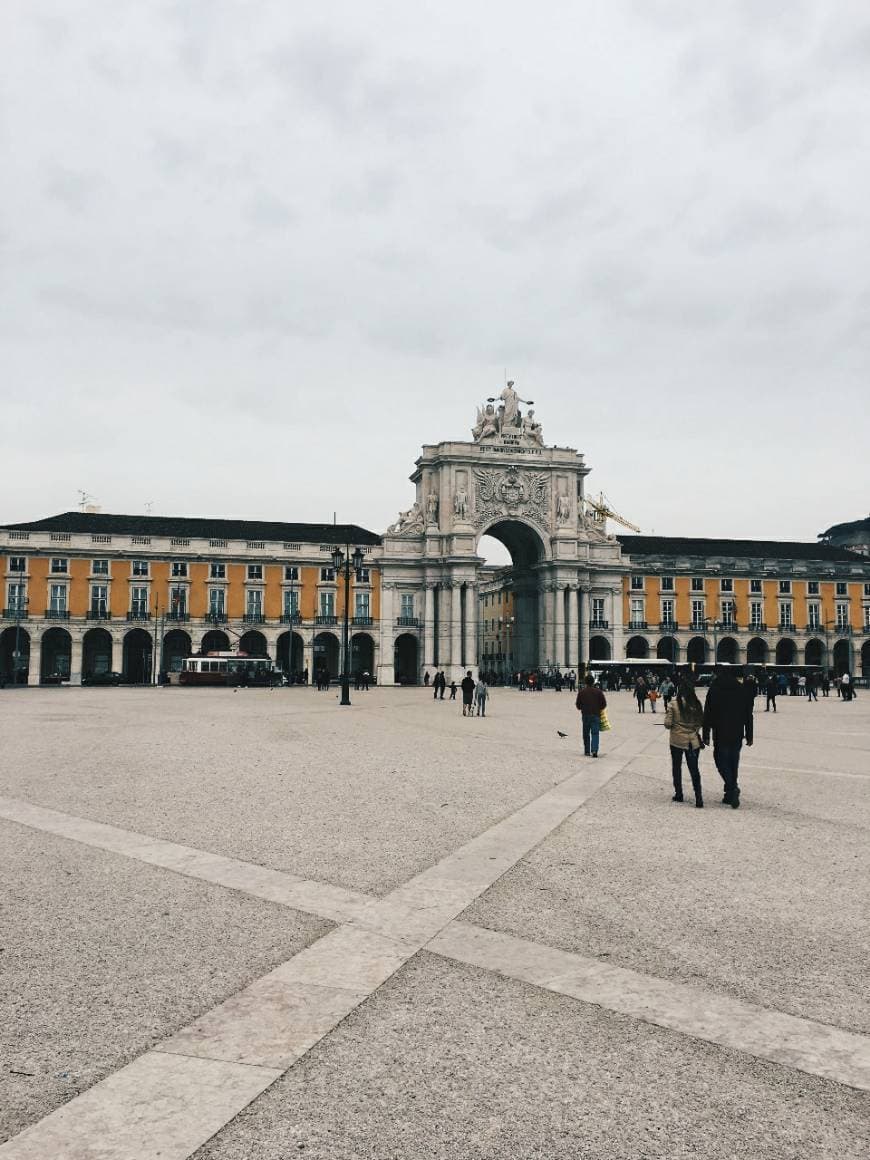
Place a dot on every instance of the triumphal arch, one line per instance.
(508, 483)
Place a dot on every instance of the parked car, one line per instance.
(103, 679)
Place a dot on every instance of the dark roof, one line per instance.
(100, 523)
(847, 528)
(752, 549)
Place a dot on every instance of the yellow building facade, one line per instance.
(87, 594)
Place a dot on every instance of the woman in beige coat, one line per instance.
(684, 718)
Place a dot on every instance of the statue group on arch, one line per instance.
(507, 418)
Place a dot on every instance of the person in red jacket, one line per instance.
(591, 702)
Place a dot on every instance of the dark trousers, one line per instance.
(641, 704)
(727, 758)
(691, 756)
(771, 700)
(591, 731)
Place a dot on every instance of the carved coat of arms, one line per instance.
(511, 492)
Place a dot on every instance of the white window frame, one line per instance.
(21, 561)
(756, 613)
(179, 591)
(140, 569)
(843, 620)
(668, 584)
(726, 584)
(326, 603)
(756, 588)
(362, 604)
(813, 588)
(728, 613)
(668, 614)
(178, 570)
(638, 583)
(598, 611)
(785, 617)
(697, 584)
(140, 604)
(814, 615)
(255, 572)
(18, 601)
(699, 614)
(217, 602)
(99, 604)
(217, 570)
(253, 601)
(327, 576)
(59, 566)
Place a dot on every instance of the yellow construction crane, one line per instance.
(600, 510)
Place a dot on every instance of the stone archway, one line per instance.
(668, 650)
(531, 601)
(326, 653)
(14, 655)
(96, 653)
(55, 656)
(362, 653)
(842, 657)
(407, 663)
(599, 648)
(254, 644)
(138, 657)
(508, 484)
(176, 648)
(696, 651)
(814, 653)
(637, 648)
(757, 651)
(727, 651)
(215, 641)
(786, 651)
(289, 653)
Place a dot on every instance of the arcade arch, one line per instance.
(96, 653)
(55, 656)
(14, 656)
(326, 653)
(137, 655)
(289, 653)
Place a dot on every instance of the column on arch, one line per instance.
(429, 626)
(386, 666)
(559, 592)
(75, 661)
(572, 658)
(470, 661)
(616, 623)
(584, 604)
(544, 622)
(455, 624)
(34, 665)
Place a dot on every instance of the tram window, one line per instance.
(191, 666)
(222, 667)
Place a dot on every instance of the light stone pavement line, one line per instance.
(816, 1048)
(304, 894)
(158, 1107)
(664, 761)
(269, 1025)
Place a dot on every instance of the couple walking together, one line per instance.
(727, 715)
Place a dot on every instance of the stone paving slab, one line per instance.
(102, 957)
(363, 797)
(767, 903)
(448, 1062)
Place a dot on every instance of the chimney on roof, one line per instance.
(92, 509)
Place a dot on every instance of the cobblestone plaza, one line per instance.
(244, 924)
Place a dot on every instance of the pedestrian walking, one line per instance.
(667, 690)
(468, 695)
(846, 686)
(812, 687)
(770, 692)
(653, 697)
(684, 718)
(640, 693)
(426, 679)
(436, 686)
(591, 702)
(452, 690)
(728, 717)
(481, 694)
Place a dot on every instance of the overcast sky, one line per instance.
(254, 254)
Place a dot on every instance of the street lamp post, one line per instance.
(344, 560)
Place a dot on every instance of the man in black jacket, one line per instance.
(728, 715)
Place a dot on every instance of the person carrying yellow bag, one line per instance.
(592, 705)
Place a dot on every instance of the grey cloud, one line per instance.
(75, 189)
